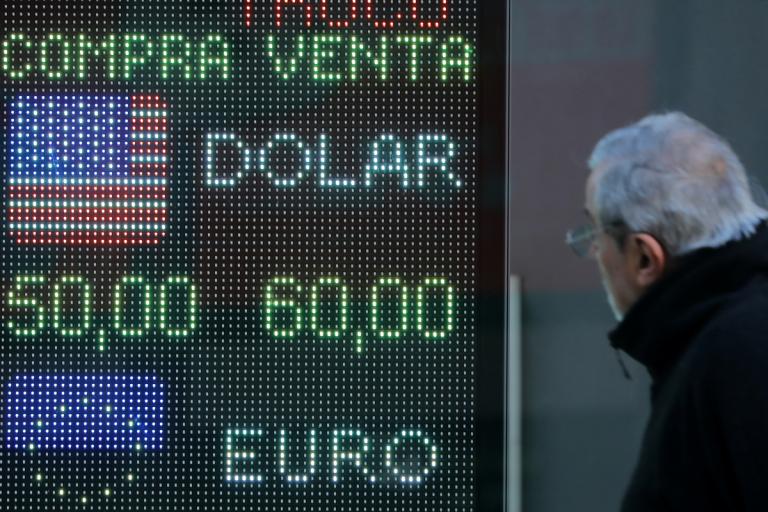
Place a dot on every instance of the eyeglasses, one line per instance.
(580, 239)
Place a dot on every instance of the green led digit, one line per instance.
(456, 55)
(82, 53)
(17, 300)
(341, 324)
(54, 44)
(376, 317)
(87, 51)
(213, 54)
(360, 54)
(325, 48)
(415, 44)
(273, 305)
(178, 332)
(285, 66)
(8, 53)
(137, 49)
(175, 52)
(435, 283)
(85, 305)
(117, 304)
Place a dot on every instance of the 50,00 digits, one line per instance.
(31, 313)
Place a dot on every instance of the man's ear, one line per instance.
(647, 258)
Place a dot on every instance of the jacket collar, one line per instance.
(660, 325)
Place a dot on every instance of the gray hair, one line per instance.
(672, 177)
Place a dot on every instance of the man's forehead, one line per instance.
(589, 190)
(596, 171)
(591, 186)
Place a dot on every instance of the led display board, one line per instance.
(243, 263)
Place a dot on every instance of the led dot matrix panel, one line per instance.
(240, 255)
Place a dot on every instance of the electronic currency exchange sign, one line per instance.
(241, 255)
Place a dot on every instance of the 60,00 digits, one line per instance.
(393, 308)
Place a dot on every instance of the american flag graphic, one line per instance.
(87, 169)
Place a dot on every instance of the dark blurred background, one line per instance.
(579, 69)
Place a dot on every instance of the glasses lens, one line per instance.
(580, 239)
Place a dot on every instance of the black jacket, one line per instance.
(702, 333)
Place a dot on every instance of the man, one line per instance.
(683, 254)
